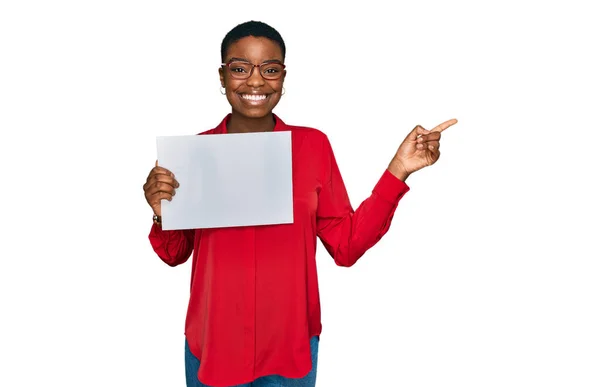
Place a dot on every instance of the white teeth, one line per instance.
(253, 97)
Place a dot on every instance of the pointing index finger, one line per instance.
(445, 125)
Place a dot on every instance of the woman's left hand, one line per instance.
(420, 149)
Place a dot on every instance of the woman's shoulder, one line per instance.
(306, 129)
(310, 135)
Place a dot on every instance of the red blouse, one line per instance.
(254, 297)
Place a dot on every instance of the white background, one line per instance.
(488, 275)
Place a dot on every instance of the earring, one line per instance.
(223, 90)
(282, 91)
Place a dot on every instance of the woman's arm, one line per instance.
(348, 234)
(174, 247)
(345, 233)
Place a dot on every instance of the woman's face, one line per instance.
(254, 97)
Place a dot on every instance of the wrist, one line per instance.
(397, 169)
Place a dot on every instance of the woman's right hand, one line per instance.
(160, 184)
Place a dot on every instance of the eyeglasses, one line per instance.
(243, 70)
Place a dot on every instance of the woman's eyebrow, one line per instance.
(247, 61)
(238, 60)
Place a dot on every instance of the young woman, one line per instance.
(254, 314)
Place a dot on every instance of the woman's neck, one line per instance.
(240, 124)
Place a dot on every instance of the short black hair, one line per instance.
(251, 28)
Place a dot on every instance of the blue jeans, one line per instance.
(192, 364)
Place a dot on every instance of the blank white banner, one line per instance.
(228, 180)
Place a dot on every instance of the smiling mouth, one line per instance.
(253, 97)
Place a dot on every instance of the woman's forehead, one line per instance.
(255, 49)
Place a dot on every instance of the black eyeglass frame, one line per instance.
(236, 76)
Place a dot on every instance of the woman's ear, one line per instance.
(222, 77)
